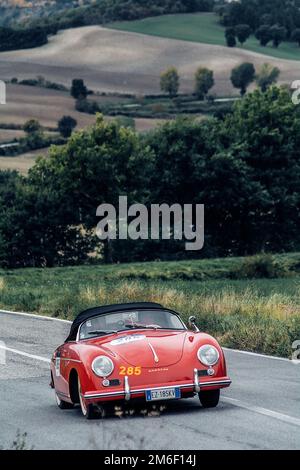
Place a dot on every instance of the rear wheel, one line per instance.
(63, 405)
(209, 398)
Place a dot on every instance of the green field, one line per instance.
(200, 27)
(255, 314)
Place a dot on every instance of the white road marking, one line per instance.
(263, 411)
(241, 351)
(22, 353)
(33, 315)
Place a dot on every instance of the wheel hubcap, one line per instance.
(82, 402)
(58, 400)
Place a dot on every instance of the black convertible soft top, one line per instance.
(95, 311)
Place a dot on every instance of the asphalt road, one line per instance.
(261, 409)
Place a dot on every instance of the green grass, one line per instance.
(255, 314)
(203, 28)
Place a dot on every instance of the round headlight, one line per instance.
(102, 366)
(208, 355)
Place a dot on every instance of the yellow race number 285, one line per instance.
(130, 370)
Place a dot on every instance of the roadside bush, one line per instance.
(41, 83)
(259, 266)
(85, 106)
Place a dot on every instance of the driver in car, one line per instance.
(146, 318)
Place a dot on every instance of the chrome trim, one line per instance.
(132, 392)
(205, 364)
(192, 321)
(62, 394)
(69, 359)
(106, 357)
(196, 381)
(127, 388)
(154, 353)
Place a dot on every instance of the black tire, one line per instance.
(63, 405)
(209, 398)
(89, 411)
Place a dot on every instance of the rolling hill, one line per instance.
(120, 61)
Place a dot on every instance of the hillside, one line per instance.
(203, 28)
(15, 11)
(118, 61)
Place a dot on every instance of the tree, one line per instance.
(260, 130)
(296, 36)
(243, 32)
(169, 81)
(204, 81)
(231, 41)
(229, 31)
(95, 166)
(78, 89)
(230, 37)
(278, 34)
(263, 34)
(66, 125)
(242, 76)
(266, 76)
(33, 231)
(32, 126)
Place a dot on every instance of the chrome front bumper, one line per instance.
(127, 393)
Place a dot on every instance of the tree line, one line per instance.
(241, 77)
(33, 32)
(107, 11)
(269, 20)
(11, 39)
(244, 168)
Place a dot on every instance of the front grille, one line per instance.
(202, 373)
(114, 382)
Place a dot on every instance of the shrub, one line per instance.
(258, 267)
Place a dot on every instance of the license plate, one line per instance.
(163, 394)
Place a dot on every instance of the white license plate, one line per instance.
(163, 394)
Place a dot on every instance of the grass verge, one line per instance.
(261, 315)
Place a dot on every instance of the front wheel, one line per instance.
(63, 405)
(88, 410)
(209, 398)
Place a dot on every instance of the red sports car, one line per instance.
(126, 352)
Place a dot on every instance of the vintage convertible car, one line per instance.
(126, 352)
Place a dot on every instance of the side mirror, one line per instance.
(192, 323)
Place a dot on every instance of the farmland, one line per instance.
(47, 106)
(202, 28)
(125, 62)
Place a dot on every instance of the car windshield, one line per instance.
(129, 320)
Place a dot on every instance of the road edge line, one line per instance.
(25, 354)
(33, 315)
(262, 411)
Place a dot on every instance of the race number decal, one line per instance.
(57, 365)
(130, 370)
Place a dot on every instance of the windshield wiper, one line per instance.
(141, 327)
(101, 332)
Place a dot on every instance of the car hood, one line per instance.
(147, 348)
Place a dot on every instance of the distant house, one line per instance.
(10, 145)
